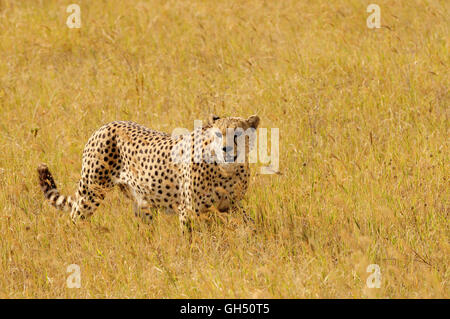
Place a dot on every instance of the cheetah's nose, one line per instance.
(226, 149)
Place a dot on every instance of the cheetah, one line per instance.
(186, 173)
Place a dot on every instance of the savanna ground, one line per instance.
(364, 159)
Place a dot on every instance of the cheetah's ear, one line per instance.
(212, 118)
(253, 121)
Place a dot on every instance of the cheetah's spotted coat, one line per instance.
(139, 160)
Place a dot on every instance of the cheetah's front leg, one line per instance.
(144, 211)
(185, 220)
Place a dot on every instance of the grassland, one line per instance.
(363, 116)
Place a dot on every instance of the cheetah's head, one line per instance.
(233, 139)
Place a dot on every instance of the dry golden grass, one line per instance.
(363, 117)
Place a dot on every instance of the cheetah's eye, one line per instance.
(218, 134)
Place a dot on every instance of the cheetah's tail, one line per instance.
(48, 186)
